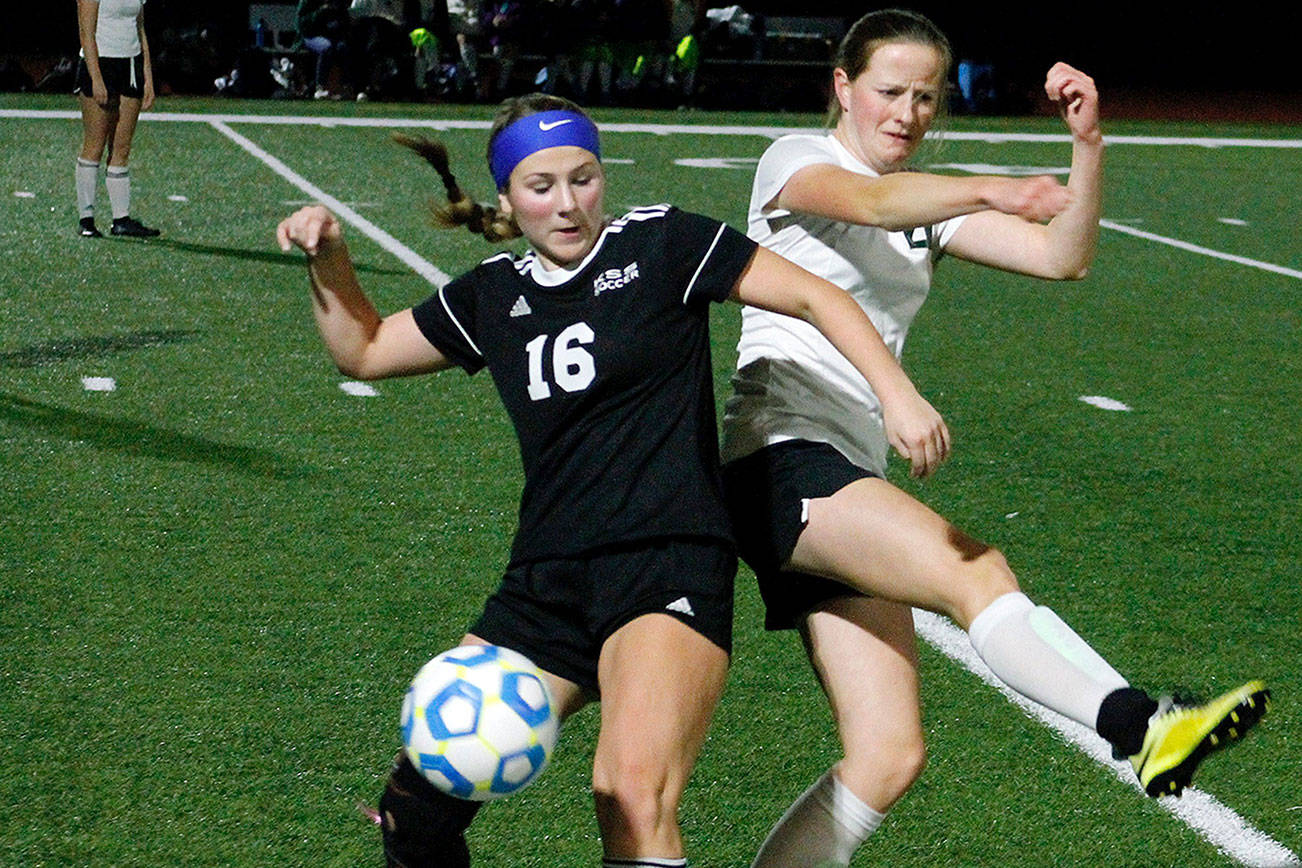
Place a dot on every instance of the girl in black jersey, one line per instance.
(619, 584)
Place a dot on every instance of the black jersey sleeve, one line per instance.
(448, 321)
(706, 256)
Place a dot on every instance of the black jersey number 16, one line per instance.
(573, 368)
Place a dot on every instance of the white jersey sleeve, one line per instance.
(791, 382)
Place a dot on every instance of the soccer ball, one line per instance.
(478, 722)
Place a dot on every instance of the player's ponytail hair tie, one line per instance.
(536, 132)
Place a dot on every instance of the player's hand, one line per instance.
(1039, 198)
(1077, 99)
(313, 229)
(99, 93)
(147, 96)
(917, 432)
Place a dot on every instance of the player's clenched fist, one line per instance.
(1076, 97)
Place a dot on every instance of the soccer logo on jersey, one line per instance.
(614, 278)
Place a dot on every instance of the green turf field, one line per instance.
(216, 579)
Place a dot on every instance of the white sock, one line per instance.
(644, 862)
(1034, 652)
(118, 182)
(85, 175)
(821, 829)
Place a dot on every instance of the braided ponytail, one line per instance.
(460, 209)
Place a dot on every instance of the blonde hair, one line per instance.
(460, 209)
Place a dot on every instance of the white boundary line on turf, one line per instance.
(1220, 825)
(418, 264)
(657, 129)
(222, 121)
(1205, 251)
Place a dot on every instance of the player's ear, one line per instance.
(841, 87)
(503, 203)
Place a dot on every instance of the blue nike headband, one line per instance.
(533, 133)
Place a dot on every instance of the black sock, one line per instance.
(1123, 719)
(423, 827)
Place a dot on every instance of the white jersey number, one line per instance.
(573, 368)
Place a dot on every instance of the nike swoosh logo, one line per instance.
(544, 126)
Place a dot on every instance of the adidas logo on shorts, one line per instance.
(681, 605)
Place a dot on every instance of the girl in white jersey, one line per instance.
(840, 553)
(115, 83)
(620, 580)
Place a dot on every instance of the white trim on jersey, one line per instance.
(530, 264)
(443, 300)
(704, 259)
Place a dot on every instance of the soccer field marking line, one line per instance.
(1204, 251)
(1105, 403)
(408, 256)
(1218, 824)
(655, 129)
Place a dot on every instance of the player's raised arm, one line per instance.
(1064, 249)
(913, 427)
(363, 344)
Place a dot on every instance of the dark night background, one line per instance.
(1154, 52)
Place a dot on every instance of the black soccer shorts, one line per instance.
(766, 493)
(123, 76)
(560, 612)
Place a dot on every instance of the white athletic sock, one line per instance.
(821, 829)
(87, 172)
(1034, 652)
(118, 182)
(644, 862)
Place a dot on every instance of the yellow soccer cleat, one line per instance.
(1179, 736)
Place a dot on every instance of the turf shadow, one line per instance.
(275, 257)
(53, 352)
(140, 438)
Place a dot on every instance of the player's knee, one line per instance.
(985, 577)
(883, 774)
(633, 800)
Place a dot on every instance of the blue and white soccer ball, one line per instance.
(478, 722)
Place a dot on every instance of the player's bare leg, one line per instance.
(865, 654)
(660, 682)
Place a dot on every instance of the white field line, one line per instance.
(657, 129)
(222, 121)
(1220, 825)
(370, 230)
(1205, 251)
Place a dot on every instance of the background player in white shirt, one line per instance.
(115, 82)
(840, 553)
(620, 579)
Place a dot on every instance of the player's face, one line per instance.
(886, 110)
(556, 197)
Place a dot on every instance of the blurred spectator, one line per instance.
(323, 27)
(976, 86)
(379, 46)
(640, 30)
(686, 22)
(467, 25)
(506, 28)
(590, 22)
